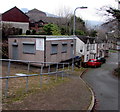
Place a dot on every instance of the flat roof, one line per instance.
(41, 36)
(27, 36)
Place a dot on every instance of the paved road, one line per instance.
(104, 84)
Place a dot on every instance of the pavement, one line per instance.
(72, 95)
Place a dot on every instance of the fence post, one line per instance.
(48, 73)
(8, 74)
(68, 66)
(41, 71)
(28, 71)
(63, 71)
(56, 71)
(28, 67)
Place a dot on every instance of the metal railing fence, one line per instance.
(59, 70)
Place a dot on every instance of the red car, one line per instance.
(93, 63)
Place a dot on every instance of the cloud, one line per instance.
(51, 6)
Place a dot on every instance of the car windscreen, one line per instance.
(91, 61)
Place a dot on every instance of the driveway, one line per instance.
(104, 84)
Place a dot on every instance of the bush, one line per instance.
(51, 29)
(20, 31)
(28, 32)
(80, 32)
(33, 32)
(10, 31)
(4, 49)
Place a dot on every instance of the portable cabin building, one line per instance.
(41, 48)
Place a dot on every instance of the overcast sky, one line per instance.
(53, 6)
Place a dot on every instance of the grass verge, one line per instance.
(17, 91)
(79, 71)
(113, 51)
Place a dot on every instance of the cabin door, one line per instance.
(15, 52)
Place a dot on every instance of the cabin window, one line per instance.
(64, 48)
(29, 47)
(54, 48)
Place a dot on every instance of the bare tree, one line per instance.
(65, 15)
(66, 21)
(115, 14)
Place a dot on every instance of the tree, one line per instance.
(51, 29)
(8, 29)
(116, 14)
(80, 26)
(79, 32)
(66, 22)
(65, 14)
(93, 33)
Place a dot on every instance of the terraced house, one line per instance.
(86, 47)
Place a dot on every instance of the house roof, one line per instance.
(36, 11)
(15, 8)
(85, 38)
(35, 15)
(91, 39)
(15, 15)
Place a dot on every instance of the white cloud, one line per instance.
(52, 6)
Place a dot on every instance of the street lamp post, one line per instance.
(74, 34)
(74, 18)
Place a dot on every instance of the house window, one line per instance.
(87, 47)
(29, 47)
(81, 50)
(93, 46)
(87, 57)
(54, 48)
(64, 48)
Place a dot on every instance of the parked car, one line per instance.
(93, 63)
(101, 59)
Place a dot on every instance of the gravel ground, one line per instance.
(72, 95)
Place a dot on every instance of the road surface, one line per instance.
(104, 84)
